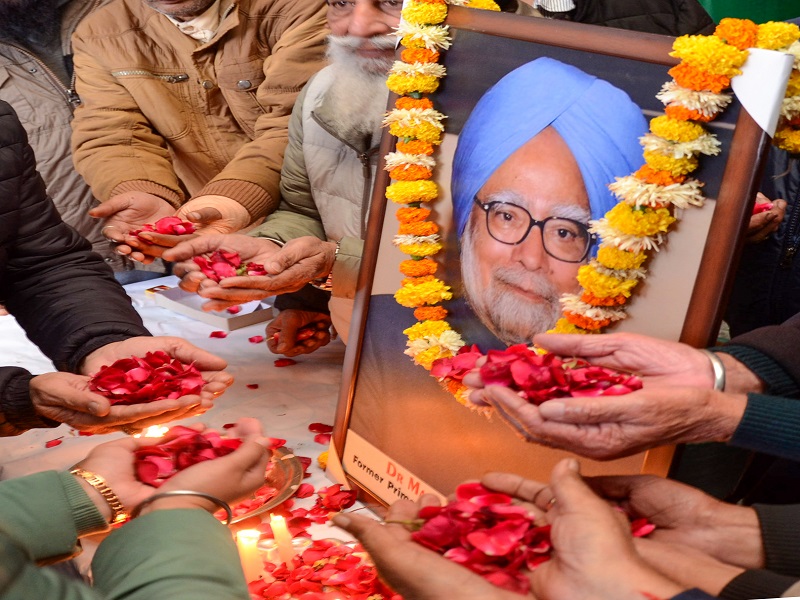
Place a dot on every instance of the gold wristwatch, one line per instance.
(118, 513)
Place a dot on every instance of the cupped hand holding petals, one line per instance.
(295, 332)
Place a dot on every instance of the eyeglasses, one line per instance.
(564, 239)
(343, 8)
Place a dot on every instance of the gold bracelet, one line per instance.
(118, 512)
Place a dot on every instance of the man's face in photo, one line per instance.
(513, 286)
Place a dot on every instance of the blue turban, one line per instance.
(600, 124)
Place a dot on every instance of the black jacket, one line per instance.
(62, 294)
(667, 17)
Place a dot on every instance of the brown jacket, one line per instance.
(165, 114)
(44, 101)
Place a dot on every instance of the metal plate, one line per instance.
(285, 475)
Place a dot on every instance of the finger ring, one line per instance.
(550, 503)
(131, 430)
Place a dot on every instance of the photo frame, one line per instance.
(398, 433)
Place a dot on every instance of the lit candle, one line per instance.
(283, 539)
(246, 542)
(154, 431)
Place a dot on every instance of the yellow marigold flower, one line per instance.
(410, 173)
(423, 249)
(430, 292)
(415, 147)
(407, 103)
(410, 214)
(426, 329)
(741, 33)
(406, 192)
(430, 313)
(677, 131)
(427, 357)
(419, 228)
(322, 460)
(675, 166)
(483, 5)
(402, 84)
(793, 87)
(644, 222)
(424, 13)
(619, 260)
(432, 37)
(604, 286)
(424, 131)
(564, 326)
(776, 35)
(787, 139)
(709, 53)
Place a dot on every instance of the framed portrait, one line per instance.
(398, 433)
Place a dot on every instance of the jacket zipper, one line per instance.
(68, 93)
(167, 78)
(364, 158)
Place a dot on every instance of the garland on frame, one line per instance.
(629, 232)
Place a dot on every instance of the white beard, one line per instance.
(511, 319)
(358, 95)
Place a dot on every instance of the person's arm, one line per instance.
(296, 36)
(17, 411)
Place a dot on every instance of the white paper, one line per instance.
(762, 85)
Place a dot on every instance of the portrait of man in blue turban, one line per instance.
(531, 169)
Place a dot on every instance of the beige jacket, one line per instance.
(164, 114)
(44, 104)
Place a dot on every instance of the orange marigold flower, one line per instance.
(585, 322)
(453, 386)
(417, 280)
(415, 147)
(410, 173)
(741, 33)
(649, 175)
(419, 228)
(693, 78)
(418, 268)
(409, 214)
(590, 298)
(407, 103)
(430, 313)
(419, 55)
(676, 111)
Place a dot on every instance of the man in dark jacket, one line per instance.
(68, 303)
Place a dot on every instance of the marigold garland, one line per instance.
(640, 221)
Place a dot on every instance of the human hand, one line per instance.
(66, 398)
(609, 427)
(129, 211)
(655, 361)
(764, 223)
(687, 517)
(282, 332)
(594, 556)
(214, 214)
(409, 568)
(230, 478)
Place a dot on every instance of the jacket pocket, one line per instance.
(239, 85)
(163, 98)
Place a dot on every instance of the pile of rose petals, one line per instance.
(483, 531)
(221, 264)
(326, 569)
(179, 449)
(538, 377)
(138, 380)
(167, 225)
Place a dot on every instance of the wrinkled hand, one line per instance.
(286, 326)
(129, 211)
(764, 224)
(687, 517)
(250, 249)
(655, 361)
(594, 556)
(609, 427)
(411, 569)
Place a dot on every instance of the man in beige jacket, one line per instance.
(185, 106)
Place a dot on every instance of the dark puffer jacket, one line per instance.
(667, 17)
(62, 294)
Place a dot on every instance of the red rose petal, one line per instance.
(284, 362)
(320, 428)
(256, 339)
(218, 334)
(323, 438)
(52, 443)
(304, 490)
(252, 386)
(234, 309)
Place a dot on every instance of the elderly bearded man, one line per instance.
(532, 166)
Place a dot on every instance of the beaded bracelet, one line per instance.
(221, 503)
